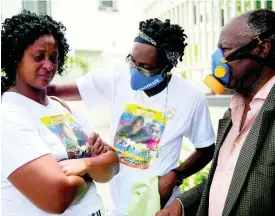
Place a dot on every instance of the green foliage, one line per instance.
(183, 74)
(198, 177)
(77, 62)
(247, 4)
(195, 179)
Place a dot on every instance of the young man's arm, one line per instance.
(202, 136)
(186, 204)
(194, 163)
(68, 92)
(96, 88)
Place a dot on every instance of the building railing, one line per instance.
(202, 21)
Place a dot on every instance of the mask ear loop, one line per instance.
(166, 72)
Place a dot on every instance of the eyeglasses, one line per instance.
(148, 73)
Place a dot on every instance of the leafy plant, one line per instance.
(258, 4)
(195, 179)
(183, 74)
(78, 62)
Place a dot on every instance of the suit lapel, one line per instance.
(254, 139)
(223, 128)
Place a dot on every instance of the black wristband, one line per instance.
(180, 176)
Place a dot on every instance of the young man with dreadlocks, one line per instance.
(171, 107)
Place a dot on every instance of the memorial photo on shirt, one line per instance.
(70, 133)
(138, 135)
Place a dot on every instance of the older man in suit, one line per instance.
(241, 181)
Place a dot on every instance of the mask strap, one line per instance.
(165, 72)
(244, 52)
(245, 55)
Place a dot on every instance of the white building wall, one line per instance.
(90, 29)
(9, 8)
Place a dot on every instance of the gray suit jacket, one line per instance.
(252, 189)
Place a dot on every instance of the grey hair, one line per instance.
(259, 21)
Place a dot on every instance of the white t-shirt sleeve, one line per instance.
(21, 142)
(202, 133)
(96, 87)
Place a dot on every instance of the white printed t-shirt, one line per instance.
(147, 132)
(29, 131)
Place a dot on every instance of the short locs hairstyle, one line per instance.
(168, 36)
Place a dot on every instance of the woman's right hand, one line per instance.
(97, 145)
(103, 164)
